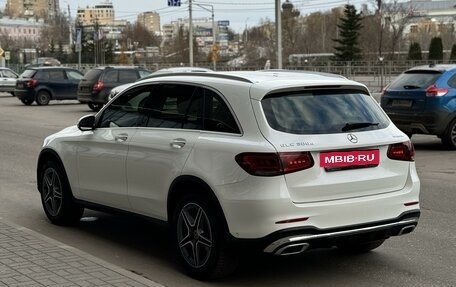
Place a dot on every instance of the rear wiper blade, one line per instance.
(360, 125)
(410, 87)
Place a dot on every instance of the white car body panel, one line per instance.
(136, 175)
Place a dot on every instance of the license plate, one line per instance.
(401, 103)
(348, 159)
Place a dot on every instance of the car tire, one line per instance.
(360, 247)
(56, 196)
(43, 98)
(449, 137)
(27, 102)
(199, 239)
(95, 107)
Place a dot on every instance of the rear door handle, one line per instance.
(178, 143)
(121, 137)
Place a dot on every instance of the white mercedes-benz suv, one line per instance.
(286, 161)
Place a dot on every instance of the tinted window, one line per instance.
(74, 75)
(127, 110)
(143, 73)
(56, 75)
(92, 75)
(127, 76)
(414, 80)
(218, 116)
(452, 81)
(169, 105)
(28, 73)
(322, 111)
(42, 75)
(110, 76)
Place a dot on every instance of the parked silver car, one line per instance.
(7, 80)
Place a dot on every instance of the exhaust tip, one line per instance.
(292, 249)
(406, 229)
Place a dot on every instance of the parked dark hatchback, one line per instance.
(422, 100)
(97, 83)
(42, 84)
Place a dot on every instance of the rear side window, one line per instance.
(414, 80)
(127, 76)
(323, 112)
(110, 76)
(42, 75)
(92, 75)
(56, 75)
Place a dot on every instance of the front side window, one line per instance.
(9, 74)
(322, 112)
(128, 110)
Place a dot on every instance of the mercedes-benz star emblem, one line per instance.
(352, 138)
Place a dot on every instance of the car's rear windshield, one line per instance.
(415, 80)
(28, 73)
(323, 111)
(92, 75)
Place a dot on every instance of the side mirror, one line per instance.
(87, 123)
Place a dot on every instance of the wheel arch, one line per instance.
(44, 89)
(46, 155)
(187, 184)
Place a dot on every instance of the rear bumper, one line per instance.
(287, 242)
(425, 122)
(25, 94)
(96, 98)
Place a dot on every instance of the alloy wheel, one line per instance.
(194, 235)
(52, 191)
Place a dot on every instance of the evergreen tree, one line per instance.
(453, 53)
(414, 52)
(349, 30)
(436, 49)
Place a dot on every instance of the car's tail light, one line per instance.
(402, 151)
(271, 164)
(98, 86)
(30, 83)
(433, 91)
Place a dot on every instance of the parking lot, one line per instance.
(426, 257)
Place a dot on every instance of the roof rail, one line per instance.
(204, 74)
(305, 72)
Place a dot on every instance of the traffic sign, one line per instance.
(7, 55)
(1, 52)
(174, 3)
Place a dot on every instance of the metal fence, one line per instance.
(375, 75)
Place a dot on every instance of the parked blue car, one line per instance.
(43, 84)
(422, 100)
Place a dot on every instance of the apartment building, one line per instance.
(150, 20)
(31, 8)
(102, 13)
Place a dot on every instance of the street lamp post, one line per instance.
(190, 33)
(214, 37)
(278, 34)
